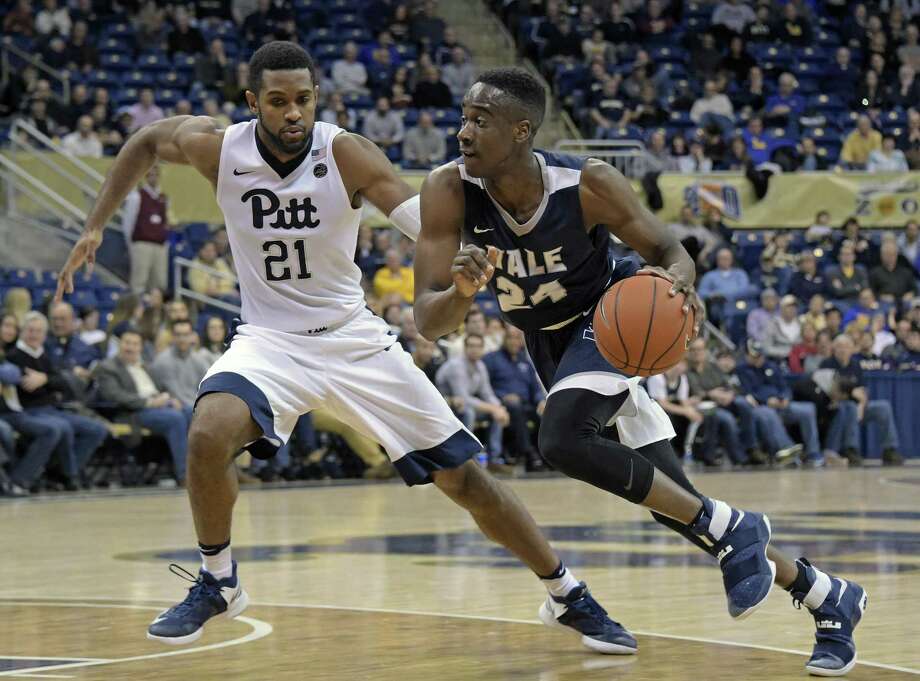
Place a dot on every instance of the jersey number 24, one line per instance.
(512, 297)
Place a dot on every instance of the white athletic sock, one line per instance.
(217, 560)
(561, 582)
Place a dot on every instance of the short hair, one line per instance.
(131, 331)
(35, 316)
(180, 322)
(278, 55)
(470, 336)
(523, 88)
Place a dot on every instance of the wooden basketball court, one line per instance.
(376, 581)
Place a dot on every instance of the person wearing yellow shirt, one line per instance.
(860, 143)
(209, 284)
(394, 277)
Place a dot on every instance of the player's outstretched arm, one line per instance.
(446, 276)
(191, 140)
(608, 199)
(367, 171)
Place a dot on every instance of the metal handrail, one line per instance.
(630, 157)
(7, 47)
(43, 158)
(72, 211)
(59, 148)
(179, 263)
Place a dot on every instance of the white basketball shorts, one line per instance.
(358, 372)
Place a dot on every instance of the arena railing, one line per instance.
(630, 157)
(8, 50)
(182, 265)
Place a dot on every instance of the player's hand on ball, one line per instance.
(473, 268)
(679, 284)
(84, 251)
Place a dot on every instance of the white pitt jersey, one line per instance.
(292, 232)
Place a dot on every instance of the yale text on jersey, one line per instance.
(265, 203)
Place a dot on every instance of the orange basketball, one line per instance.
(639, 328)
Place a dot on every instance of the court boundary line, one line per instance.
(260, 630)
(120, 603)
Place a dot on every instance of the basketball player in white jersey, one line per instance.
(291, 191)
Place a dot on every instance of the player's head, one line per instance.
(502, 112)
(282, 94)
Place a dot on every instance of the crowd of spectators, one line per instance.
(803, 85)
(396, 76)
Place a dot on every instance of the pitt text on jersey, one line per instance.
(297, 214)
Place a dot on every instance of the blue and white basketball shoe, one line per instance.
(582, 614)
(837, 606)
(208, 597)
(739, 540)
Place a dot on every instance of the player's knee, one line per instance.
(209, 439)
(459, 483)
(558, 442)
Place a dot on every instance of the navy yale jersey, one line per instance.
(550, 269)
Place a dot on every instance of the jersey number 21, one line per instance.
(276, 261)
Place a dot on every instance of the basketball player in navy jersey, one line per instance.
(291, 190)
(535, 227)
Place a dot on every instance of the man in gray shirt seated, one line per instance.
(180, 367)
(465, 382)
(424, 146)
(382, 126)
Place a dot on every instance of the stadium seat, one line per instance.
(153, 61)
(826, 104)
(116, 61)
(24, 278)
(138, 79)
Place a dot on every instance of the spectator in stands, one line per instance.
(909, 52)
(44, 435)
(348, 74)
(821, 229)
(733, 15)
(53, 20)
(598, 50)
(65, 346)
(563, 44)
(213, 345)
(761, 30)
(83, 141)
(515, 383)
(843, 74)
(334, 106)
(806, 347)
(54, 54)
(706, 57)
(897, 348)
(888, 159)
(793, 28)
(9, 332)
(467, 378)
(870, 96)
(145, 111)
(654, 22)
(737, 63)
(18, 302)
(909, 141)
(395, 277)
(458, 74)
(125, 384)
(759, 320)
(43, 391)
(431, 91)
(648, 112)
(220, 284)
(383, 126)
(408, 331)
(859, 144)
(216, 69)
(906, 92)
(824, 349)
(736, 158)
(909, 358)
(713, 109)
(892, 280)
(424, 145)
(855, 408)
(180, 368)
(427, 27)
(38, 118)
(427, 357)
(764, 381)
(90, 333)
(261, 23)
(671, 390)
(696, 161)
(184, 37)
(147, 225)
(758, 145)
(784, 108)
(784, 331)
(19, 20)
(846, 278)
(81, 53)
(814, 315)
(909, 243)
(807, 281)
(724, 284)
(732, 423)
(79, 105)
(752, 98)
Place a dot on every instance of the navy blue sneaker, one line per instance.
(209, 597)
(581, 613)
(837, 606)
(739, 540)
